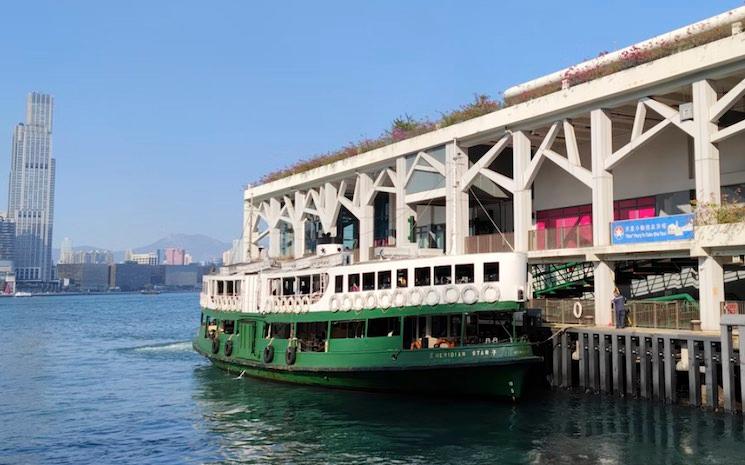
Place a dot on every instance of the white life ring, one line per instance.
(358, 302)
(346, 303)
(399, 298)
(297, 304)
(415, 297)
(268, 305)
(432, 298)
(577, 310)
(490, 293)
(371, 301)
(470, 295)
(450, 295)
(306, 304)
(385, 300)
(334, 304)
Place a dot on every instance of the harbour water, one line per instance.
(113, 379)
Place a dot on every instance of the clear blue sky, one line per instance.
(165, 109)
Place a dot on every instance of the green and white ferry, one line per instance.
(443, 324)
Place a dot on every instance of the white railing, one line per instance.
(228, 303)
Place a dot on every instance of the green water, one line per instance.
(113, 379)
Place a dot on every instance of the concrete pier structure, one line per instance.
(551, 177)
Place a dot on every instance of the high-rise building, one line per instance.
(175, 256)
(31, 191)
(66, 252)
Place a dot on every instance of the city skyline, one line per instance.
(160, 129)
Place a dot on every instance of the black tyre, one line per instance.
(215, 345)
(291, 355)
(228, 348)
(268, 354)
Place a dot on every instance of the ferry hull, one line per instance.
(501, 378)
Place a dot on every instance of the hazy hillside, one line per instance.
(201, 247)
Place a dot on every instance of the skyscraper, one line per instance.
(31, 191)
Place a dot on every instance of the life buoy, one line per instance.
(451, 294)
(334, 304)
(268, 355)
(346, 303)
(490, 293)
(432, 298)
(385, 300)
(228, 348)
(470, 295)
(291, 355)
(268, 305)
(305, 304)
(415, 297)
(359, 302)
(371, 301)
(577, 310)
(399, 298)
(215, 345)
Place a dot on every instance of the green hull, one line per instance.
(371, 363)
(498, 379)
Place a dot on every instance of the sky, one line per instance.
(165, 110)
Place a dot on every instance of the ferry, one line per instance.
(431, 325)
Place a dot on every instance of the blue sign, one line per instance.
(656, 229)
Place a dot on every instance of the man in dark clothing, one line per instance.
(619, 306)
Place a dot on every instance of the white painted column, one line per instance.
(522, 202)
(708, 190)
(403, 211)
(330, 200)
(298, 225)
(366, 217)
(274, 235)
(456, 201)
(601, 146)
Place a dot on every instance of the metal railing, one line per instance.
(561, 238)
(640, 313)
(486, 243)
(565, 311)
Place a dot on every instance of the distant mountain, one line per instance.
(200, 247)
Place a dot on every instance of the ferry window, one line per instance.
(312, 336)
(368, 281)
(487, 327)
(347, 329)
(422, 276)
(278, 330)
(275, 286)
(464, 273)
(384, 279)
(237, 290)
(447, 327)
(304, 282)
(443, 275)
(220, 287)
(228, 326)
(288, 286)
(414, 332)
(491, 271)
(338, 284)
(353, 283)
(402, 278)
(384, 327)
(315, 284)
(229, 287)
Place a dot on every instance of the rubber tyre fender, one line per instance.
(268, 354)
(215, 345)
(228, 348)
(291, 355)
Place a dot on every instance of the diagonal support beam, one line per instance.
(537, 161)
(727, 101)
(613, 161)
(484, 162)
(581, 174)
(729, 131)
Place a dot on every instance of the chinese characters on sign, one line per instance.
(656, 229)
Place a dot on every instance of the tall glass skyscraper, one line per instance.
(31, 191)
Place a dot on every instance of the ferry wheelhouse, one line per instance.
(447, 324)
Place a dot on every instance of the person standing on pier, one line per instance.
(619, 304)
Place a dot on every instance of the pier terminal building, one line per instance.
(623, 171)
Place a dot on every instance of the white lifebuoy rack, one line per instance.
(371, 301)
(469, 295)
(432, 297)
(385, 300)
(450, 295)
(490, 293)
(415, 297)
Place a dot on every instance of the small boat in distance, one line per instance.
(22, 294)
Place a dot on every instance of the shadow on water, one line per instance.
(253, 420)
